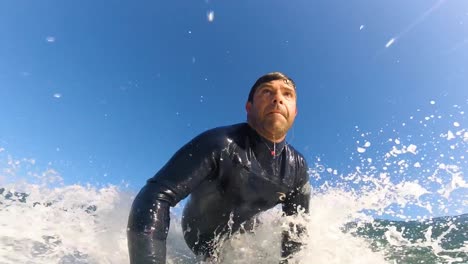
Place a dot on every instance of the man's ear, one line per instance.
(248, 106)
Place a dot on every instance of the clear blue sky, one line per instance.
(107, 91)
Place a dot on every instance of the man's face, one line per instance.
(273, 109)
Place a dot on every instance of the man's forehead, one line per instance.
(288, 82)
(285, 83)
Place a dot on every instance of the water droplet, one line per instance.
(390, 42)
(210, 16)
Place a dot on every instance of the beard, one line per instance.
(274, 127)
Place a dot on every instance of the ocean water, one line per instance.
(388, 205)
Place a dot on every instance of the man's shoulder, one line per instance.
(299, 157)
(302, 168)
(220, 135)
(225, 131)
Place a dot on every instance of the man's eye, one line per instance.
(288, 94)
(265, 91)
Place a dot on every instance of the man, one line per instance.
(232, 173)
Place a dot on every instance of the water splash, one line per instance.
(70, 224)
(407, 175)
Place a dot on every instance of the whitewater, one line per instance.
(407, 173)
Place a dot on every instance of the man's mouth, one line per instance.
(276, 112)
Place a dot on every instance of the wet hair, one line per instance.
(272, 76)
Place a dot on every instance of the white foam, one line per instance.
(62, 227)
(411, 148)
(450, 135)
(395, 238)
(410, 189)
(457, 182)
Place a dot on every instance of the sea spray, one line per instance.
(383, 207)
(85, 224)
(69, 224)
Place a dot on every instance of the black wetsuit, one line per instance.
(231, 175)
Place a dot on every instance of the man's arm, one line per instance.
(148, 223)
(148, 226)
(299, 199)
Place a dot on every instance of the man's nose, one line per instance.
(277, 98)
